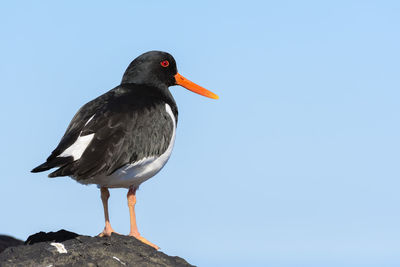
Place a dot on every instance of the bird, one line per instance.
(125, 136)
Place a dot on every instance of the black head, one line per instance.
(153, 68)
(158, 69)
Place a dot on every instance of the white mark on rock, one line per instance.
(60, 247)
(115, 258)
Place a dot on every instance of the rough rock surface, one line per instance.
(8, 241)
(65, 248)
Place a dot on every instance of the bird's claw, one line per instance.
(107, 232)
(144, 240)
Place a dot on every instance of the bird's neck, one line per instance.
(149, 81)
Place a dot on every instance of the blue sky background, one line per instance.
(297, 164)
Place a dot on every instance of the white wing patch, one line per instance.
(76, 149)
(89, 120)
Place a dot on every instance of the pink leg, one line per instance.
(105, 194)
(134, 231)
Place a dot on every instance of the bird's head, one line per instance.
(159, 69)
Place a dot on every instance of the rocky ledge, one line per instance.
(65, 248)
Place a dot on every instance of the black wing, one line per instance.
(73, 131)
(128, 126)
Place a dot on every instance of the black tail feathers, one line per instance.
(42, 167)
(53, 163)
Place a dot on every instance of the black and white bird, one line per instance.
(125, 136)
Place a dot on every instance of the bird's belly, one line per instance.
(131, 174)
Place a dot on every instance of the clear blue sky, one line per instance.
(297, 164)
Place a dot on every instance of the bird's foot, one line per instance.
(107, 232)
(144, 240)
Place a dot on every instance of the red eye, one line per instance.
(164, 63)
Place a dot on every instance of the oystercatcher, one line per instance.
(125, 136)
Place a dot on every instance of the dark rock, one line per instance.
(59, 236)
(9, 241)
(61, 249)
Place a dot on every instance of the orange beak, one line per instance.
(182, 81)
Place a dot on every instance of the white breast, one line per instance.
(136, 173)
